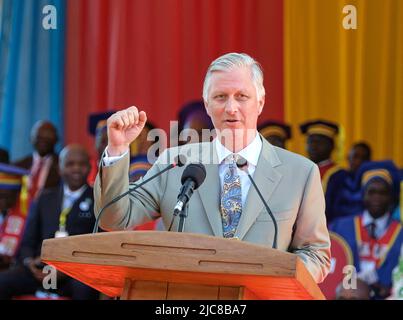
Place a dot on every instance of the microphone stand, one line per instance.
(182, 217)
(136, 186)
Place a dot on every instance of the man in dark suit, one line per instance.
(61, 211)
(43, 163)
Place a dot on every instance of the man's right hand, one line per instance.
(123, 127)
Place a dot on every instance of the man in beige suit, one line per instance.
(225, 205)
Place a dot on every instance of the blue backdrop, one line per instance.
(31, 71)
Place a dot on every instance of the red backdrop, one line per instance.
(154, 54)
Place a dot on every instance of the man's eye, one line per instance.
(242, 96)
(219, 96)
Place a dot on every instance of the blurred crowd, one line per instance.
(46, 195)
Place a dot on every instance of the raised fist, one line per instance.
(123, 128)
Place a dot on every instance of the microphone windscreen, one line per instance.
(196, 172)
(241, 163)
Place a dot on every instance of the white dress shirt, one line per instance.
(380, 223)
(251, 154)
(69, 197)
(368, 268)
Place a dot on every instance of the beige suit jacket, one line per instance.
(289, 183)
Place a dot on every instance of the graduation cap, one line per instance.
(385, 170)
(11, 177)
(97, 121)
(322, 127)
(275, 128)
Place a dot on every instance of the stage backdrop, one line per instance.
(154, 54)
(353, 77)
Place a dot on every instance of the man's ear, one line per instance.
(261, 104)
(207, 108)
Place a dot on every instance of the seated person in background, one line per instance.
(64, 210)
(360, 152)
(374, 237)
(349, 199)
(320, 145)
(277, 133)
(13, 210)
(321, 135)
(4, 158)
(43, 163)
(97, 128)
(192, 119)
(361, 292)
(344, 196)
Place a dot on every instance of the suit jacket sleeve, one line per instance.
(311, 241)
(131, 210)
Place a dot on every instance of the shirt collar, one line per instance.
(73, 194)
(380, 223)
(250, 153)
(36, 157)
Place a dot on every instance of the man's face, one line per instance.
(377, 198)
(319, 147)
(357, 156)
(232, 101)
(45, 139)
(75, 169)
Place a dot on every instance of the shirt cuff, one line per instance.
(109, 161)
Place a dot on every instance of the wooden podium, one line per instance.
(170, 265)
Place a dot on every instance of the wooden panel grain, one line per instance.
(148, 290)
(185, 291)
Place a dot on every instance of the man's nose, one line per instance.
(231, 106)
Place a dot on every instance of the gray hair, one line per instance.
(231, 60)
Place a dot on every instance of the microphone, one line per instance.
(180, 161)
(242, 164)
(193, 176)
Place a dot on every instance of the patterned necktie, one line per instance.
(231, 199)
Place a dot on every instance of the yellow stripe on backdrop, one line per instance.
(351, 76)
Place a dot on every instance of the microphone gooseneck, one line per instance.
(179, 162)
(242, 164)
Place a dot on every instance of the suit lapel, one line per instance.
(267, 179)
(209, 191)
(59, 202)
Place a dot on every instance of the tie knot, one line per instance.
(233, 158)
